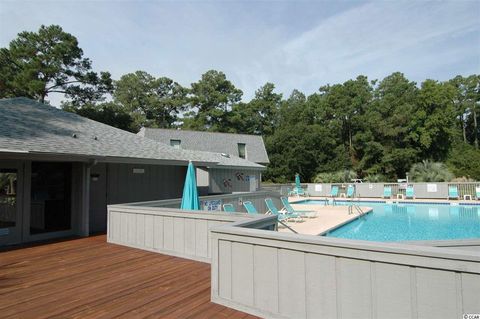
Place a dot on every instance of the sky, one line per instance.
(294, 44)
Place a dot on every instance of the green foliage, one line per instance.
(151, 102)
(109, 113)
(428, 171)
(464, 160)
(211, 99)
(467, 106)
(259, 115)
(343, 176)
(375, 178)
(50, 61)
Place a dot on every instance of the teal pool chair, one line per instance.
(477, 193)
(410, 192)
(298, 191)
(334, 191)
(290, 210)
(228, 208)
(250, 208)
(387, 192)
(453, 192)
(272, 209)
(350, 191)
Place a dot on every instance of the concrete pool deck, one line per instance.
(328, 217)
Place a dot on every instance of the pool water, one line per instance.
(399, 222)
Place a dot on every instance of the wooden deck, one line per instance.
(89, 278)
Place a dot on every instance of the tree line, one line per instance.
(372, 129)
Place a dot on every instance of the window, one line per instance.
(242, 150)
(175, 143)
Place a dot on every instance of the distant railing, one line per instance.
(376, 190)
(215, 202)
(282, 189)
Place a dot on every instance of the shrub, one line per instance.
(428, 171)
(343, 176)
(375, 178)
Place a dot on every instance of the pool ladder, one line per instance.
(352, 209)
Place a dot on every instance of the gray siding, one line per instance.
(232, 180)
(280, 275)
(166, 230)
(117, 183)
(157, 182)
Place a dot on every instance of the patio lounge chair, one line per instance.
(298, 191)
(453, 192)
(272, 209)
(290, 210)
(250, 208)
(410, 192)
(228, 208)
(477, 193)
(350, 191)
(387, 192)
(334, 191)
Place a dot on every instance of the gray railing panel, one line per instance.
(281, 275)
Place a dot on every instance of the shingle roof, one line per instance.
(30, 126)
(211, 142)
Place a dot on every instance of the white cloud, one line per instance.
(299, 45)
(421, 39)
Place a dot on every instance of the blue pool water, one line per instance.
(398, 222)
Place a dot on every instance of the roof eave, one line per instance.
(239, 167)
(73, 157)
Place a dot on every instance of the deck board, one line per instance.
(89, 278)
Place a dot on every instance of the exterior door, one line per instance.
(253, 183)
(11, 186)
(98, 198)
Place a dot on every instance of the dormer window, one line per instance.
(175, 143)
(242, 150)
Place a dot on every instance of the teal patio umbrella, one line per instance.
(190, 199)
(297, 181)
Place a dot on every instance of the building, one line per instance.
(249, 147)
(232, 146)
(58, 171)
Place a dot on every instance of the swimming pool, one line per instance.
(406, 221)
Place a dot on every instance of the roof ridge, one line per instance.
(195, 131)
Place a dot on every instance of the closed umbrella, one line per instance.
(297, 182)
(190, 199)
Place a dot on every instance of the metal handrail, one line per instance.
(358, 210)
(290, 228)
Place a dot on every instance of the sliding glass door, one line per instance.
(50, 200)
(10, 204)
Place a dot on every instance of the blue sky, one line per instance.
(294, 44)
